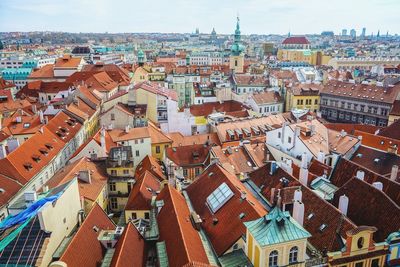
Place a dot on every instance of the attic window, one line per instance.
(43, 151)
(310, 216)
(69, 123)
(382, 142)
(63, 129)
(27, 166)
(27, 125)
(322, 227)
(49, 146)
(219, 197)
(36, 158)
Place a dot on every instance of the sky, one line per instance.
(184, 16)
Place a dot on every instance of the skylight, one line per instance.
(219, 197)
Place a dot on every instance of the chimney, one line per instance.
(41, 117)
(3, 152)
(283, 132)
(343, 204)
(103, 140)
(378, 185)
(360, 174)
(273, 168)
(298, 195)
(393, 174)
(272, 200)
(303, 175)
(46, 120)
(304, 161)
(321, 157)
(12, 144)
(289, 168)
(343, 133)
(127, 128)
(34, 109)
(298, 212)
(84, 175)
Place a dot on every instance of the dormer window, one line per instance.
(43, 151)
(49, 146)
(28, 166)
(36, 158)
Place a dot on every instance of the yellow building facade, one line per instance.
(276, 240)
(303, 97)
(312, 57)
(144, 97)
(360, 251)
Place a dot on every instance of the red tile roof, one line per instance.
(229, 228)
(210, 107)
(155, 88)
(151, 165)
(183, 243)
(370, 206)
(64, 126)
(84, 248)
(21, 164)
(296, 40)
(379, 142)
(266, 97)
(345, 170)
(90, 191)
(5, 84)
(392, 131)
(142, 192)
(45, 72)
(181, 140)
(130, 249)
(362, 92)
(9, 187)
(350, 128)
(189, 155)
(67, 61)
(317, 210)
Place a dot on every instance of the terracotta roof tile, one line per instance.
(370, 206)
(181, 140)
(119, 135)
(151, 165)
(90, 191)
(157, 89)
(211, 107)
(130, 249)
(189, 155)
(229, 228)
(182, 241)
(140, 196)
(67, 61)
(84, 248)
(296, 40)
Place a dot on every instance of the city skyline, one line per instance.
(178, 16)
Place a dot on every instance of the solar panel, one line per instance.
(219, 197)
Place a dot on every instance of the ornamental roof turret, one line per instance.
(237, 48)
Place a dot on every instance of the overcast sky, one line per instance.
(257, 16)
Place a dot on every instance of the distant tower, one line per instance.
(378, 34)
(344, 32)
(364, 30)
(236, 59)
(213, 34)
(187, 59)
(197, 31)
(141, 57)
(387, 34)
(288, 34)
(353, 33)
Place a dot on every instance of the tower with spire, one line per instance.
(141, 57)
(236, 59)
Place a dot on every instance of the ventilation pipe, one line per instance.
(393, 174)
(343, 204)
(298, 212)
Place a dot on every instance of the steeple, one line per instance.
(237, 47)
(140, 56)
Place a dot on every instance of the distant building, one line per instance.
(344, 32)
(353, 33)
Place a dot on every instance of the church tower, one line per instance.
(236, 59)
(141, 57)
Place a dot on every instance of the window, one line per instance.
(112, 186)
(279, 134)
(294, 251)
(360, 243)
(113, 172)
(126, 171)
(185, 172)
(273, 259)
(375, 263)
(112, 116)
(133, 216)
(219, 197)
(157, 149)
(147, 215)
(197, 171)
(137, 153)
(289, 139)
(114, 203)
(359, 264)
(316, 102)
(141, 141)
(136, 141)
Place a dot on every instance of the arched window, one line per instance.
(294, 251)
(273, 259)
